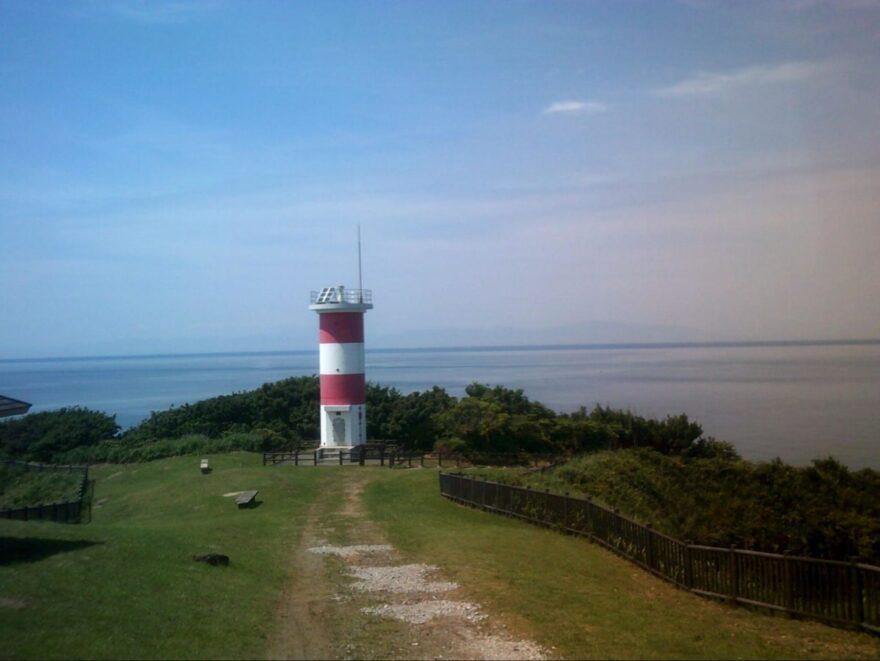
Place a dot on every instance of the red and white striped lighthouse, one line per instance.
(343, 383)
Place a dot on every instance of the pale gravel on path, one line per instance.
(493, 647)
(350, 551)
(427, 610)
(402, 578)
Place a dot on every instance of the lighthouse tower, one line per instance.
(343, 385)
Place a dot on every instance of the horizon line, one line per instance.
(480, 347)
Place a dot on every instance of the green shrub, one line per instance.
(43, 436)
(823, 510)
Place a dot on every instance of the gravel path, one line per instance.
(351, 551)
(423, 606)
(402, 578)
(424, 611)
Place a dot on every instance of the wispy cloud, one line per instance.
(706, 83)
(575, 107)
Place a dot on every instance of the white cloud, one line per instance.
(575, 107)
(717, 84)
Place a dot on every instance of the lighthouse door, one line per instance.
(338, 430)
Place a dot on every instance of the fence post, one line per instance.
(391, 460)
(787, 579)
(440, 459)
(688, 567)
(340, 457)
(315, 457)
(857, 591)
(422, 460)
(734, 575)
(382, 455)
(649, 547)
(296, 458)
(363, 456)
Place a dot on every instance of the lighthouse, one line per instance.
(343, 384)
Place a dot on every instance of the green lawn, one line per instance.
(125, 585)
(563, 591)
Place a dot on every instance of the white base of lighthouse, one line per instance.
(343, 426)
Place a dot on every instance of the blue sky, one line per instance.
(176, 176)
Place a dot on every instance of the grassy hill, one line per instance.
(125, 585)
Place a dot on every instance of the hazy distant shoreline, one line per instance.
(474, 348)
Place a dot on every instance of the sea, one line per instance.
(795, 401)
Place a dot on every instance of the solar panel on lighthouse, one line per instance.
(328, 295)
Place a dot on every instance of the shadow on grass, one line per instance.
(14, 550)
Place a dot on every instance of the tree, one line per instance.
(42, 436)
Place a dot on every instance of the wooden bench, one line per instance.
(246, 499)
(204, 466)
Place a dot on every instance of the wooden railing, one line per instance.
(839, 593)
(359, 455)
(392, 456)
(70, 511)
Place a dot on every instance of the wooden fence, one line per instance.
(392, 456)
(71, 511)
(359, 455)
(839, 593)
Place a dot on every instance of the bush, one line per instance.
(45, 436)
(288, 409)
(823, 510)
(120, 452)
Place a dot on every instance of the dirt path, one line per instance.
(352, 595)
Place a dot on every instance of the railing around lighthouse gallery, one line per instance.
(341, 295)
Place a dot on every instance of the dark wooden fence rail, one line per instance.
(839, 593)
(71, 511)
(391, 456)
(320, 457)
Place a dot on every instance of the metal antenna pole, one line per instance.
(360, 272)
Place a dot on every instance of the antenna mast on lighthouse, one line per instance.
(360, 272)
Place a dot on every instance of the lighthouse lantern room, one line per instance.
(343, 384)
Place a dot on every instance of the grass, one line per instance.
(125, 585)
(577, 598)
(22, 487)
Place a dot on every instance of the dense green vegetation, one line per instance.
(45, 436)
(284, 415)
(823, 510)
(21, 487)
(285, 411)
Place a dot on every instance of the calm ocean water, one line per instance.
(797, 402)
